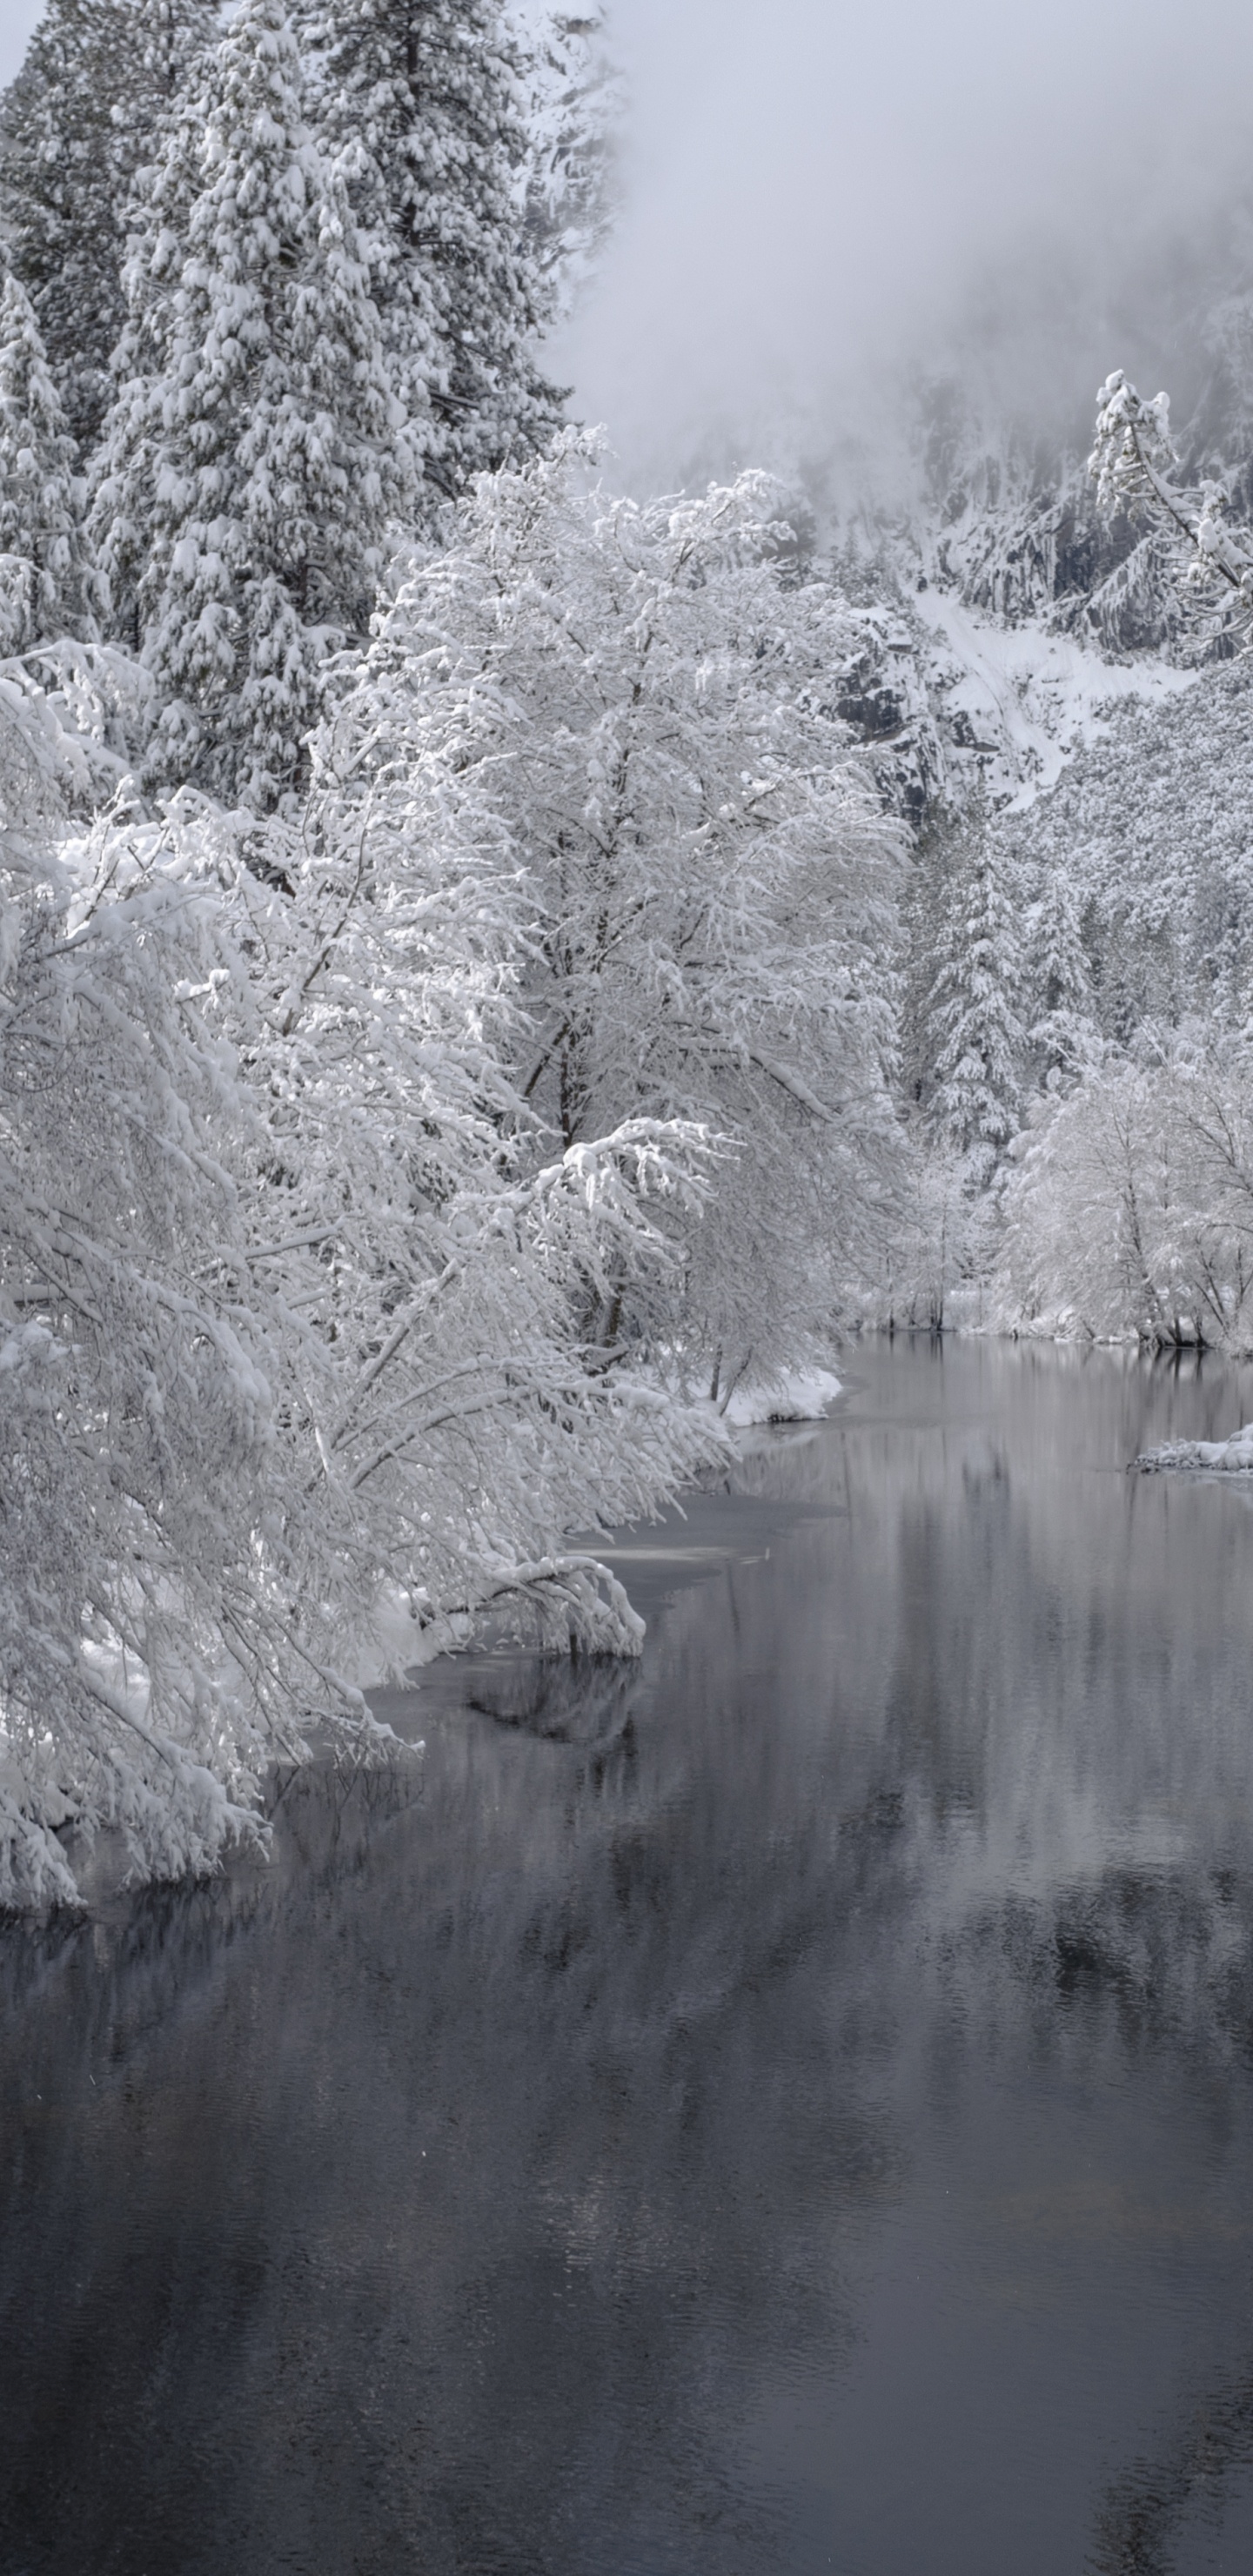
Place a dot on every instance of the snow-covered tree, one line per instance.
(1130, 1210)
(634, 700)
(72, 709)
(253, 450)
(1132, 464)
(1149, 833)
(83, 116)
(47, 579)
(974, 1012)
(1063, 1031)
(424, 101)
(444, 1258)
(575, 108)
(133, 1421)
(292, 1363)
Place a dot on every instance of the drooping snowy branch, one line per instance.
(1131, 463)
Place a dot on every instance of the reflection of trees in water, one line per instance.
(439, 2200)
(1139, 1982)
(569, 1700)
(1138, 2521)
(441, 2186)
(1147, 1963)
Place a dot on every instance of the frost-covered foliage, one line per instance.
(443, 1260)
(1058, 971)
(934, 1260)
(78, 124)
(254, 446)
(1150, 833)
(1125, 936)
(1132, 465)
(630, 702)
(134, 1418)
(47, 588)
(70, 715)
(1131, 1210)
(425, 105)
(291, 1337)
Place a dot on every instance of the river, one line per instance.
(784, 2107)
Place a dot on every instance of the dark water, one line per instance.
(786, 2108)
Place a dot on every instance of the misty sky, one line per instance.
(819, 193)
(17, 18)
(818, 190)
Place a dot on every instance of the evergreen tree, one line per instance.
(576, 104)
(252, 451)
(41, 533)
(974, 1011)
(1064, 1030)
(424, 101)
(83, 116)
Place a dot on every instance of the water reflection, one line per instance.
(788, 2107)
(1184, 2496)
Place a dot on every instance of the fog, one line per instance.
(819, 199)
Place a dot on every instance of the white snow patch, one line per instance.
(1029, 697)
(798, 1395)
(1232, 1457)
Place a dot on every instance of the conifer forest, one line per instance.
(501, 960)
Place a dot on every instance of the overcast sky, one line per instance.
(819, 187)
(17, 17)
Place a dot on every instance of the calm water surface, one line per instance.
(784, 2108)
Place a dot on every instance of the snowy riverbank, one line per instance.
(798, 1395)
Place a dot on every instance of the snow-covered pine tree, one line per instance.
(977, 1032)
(254, 447)
(1063, 1031)
(576, 107)
(83, 116)
(424, 101)
(47, 580)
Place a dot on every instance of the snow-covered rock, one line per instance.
(799, 1395)
(1233, 1456)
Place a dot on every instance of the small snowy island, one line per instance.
(1232, 1457)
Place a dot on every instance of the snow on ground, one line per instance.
(1029, 697)
(1232, 1457)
